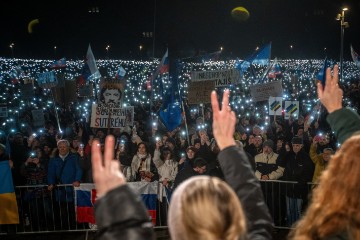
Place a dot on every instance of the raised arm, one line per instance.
(238, 172)
(344, 122)
(119, 212)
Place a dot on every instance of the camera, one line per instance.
(81, 145)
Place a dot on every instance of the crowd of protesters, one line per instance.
(294, 149)
(332, 213)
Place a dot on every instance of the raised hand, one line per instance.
(331, 94)
(223, 121)
(106, 170)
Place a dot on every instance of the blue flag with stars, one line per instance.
(170, 112)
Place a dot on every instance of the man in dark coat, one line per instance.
(198, 168)
(299, 168)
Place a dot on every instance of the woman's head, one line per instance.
(167, 153)
(336, 200)
(142, 148)
(190, 216)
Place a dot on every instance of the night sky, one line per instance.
(187, 27)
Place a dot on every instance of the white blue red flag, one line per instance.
(90, 70)
(85, 197)
(164, 65)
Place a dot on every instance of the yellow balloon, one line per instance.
(31, 24)
(240, 13)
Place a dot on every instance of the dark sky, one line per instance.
(187, 27)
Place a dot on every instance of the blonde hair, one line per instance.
(336, 201)
(206, 207)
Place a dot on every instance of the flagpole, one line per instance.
(56, 113)
(153, 53)
(153, 56)
(186, 126)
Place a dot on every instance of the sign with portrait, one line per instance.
(104, 117)
(111, 93)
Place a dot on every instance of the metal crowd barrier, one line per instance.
(287, 200)
(43, 211)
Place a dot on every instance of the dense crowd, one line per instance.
(296, 149)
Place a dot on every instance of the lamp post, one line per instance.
(55, 48)
(12, 45)
(341, 17)
(140, 52)
(107, 51)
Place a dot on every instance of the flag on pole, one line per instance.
(90, 70)
(164, 65)
(162, 68)
(260, 57)
(355, 56)
(8, 205)
(170, 112)
(275, 69)
(120, 73)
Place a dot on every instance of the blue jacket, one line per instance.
(72, 172)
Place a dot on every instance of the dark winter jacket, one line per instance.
(121, 215)
(240, 176)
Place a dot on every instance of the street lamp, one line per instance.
(55, 48)
(107, 51)
(140, 52)
(341, 17)
(12, 45)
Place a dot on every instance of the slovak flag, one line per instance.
(275, 70)
(85, 196)
(164, 65)
(90, 70)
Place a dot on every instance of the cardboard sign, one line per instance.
(291, 109)
(275, 106)
(199, 92)
(111, 92)
(262, 92)
(104, 117)
(47, 79)
(221, 78)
